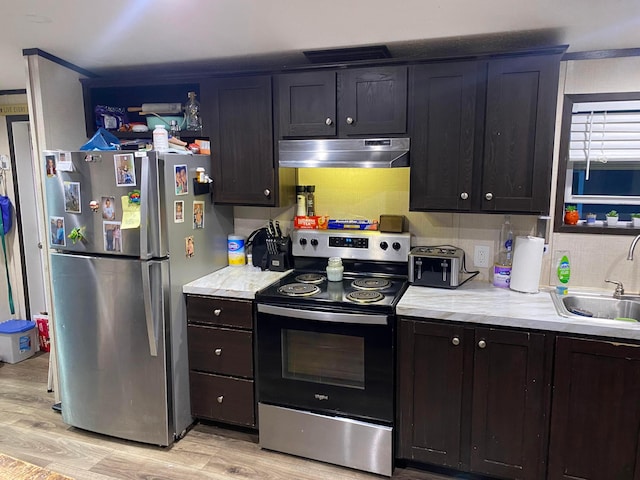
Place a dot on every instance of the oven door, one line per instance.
(326, 362)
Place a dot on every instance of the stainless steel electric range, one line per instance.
(325, 349)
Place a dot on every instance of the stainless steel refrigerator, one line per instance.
(126, 231)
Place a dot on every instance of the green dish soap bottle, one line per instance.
(562, 271)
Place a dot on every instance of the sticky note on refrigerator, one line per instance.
(130, 214)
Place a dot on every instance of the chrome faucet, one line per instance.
(632, 247)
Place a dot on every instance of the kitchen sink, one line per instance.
(597, 306)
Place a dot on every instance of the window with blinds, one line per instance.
(603, 164)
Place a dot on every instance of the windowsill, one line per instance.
(600, 227)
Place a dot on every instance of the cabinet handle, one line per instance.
(349, 121)
(488, 196)
(328, 121)
(217, 312)
(220, 399)
(464, 195)
(218, 351)
(455, 341)
(482, 344)
(267, 192)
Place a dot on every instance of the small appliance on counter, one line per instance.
(270, 249)
(438, 266)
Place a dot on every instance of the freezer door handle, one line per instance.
(144, 210)
(148, 308)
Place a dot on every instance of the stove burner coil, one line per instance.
(298, 289)
(314, 278)
(371, 283)
(365, 296)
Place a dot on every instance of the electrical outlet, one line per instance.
(481, 256)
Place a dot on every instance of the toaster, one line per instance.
(437, 267)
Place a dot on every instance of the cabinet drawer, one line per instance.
(220, 350)
(222, 399)
(217, 311)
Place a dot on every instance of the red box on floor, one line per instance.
(42, 321)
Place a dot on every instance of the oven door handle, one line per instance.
(321, 316)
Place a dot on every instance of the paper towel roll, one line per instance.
(527, 263)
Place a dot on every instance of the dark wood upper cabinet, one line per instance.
(239, 111)
(372, 101)
(443, 134)
(519, 131)
(343, 103)
(474, 399)
(307, 104)
(595, 418)
(482, 134)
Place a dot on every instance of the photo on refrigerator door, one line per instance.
(178, 211)
(125, 170)
(190, 248)
(112, 237)
(56, 228)
(180, 178)
(198, 215)
(108, 208)
(50, 165)
(72, 197)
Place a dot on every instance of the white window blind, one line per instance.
(605, 132)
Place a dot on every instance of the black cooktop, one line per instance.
(362, 292)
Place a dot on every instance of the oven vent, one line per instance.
(339, 55)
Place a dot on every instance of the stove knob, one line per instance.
(384, 245)
(396, 246)
(303, 241)
(314, 242)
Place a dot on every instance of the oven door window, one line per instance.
(325, 358)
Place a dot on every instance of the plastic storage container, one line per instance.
(18, 340)
(160, 138)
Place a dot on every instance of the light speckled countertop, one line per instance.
(236, 282)
(482, 303)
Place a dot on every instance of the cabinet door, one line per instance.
(511, 398)
(241, 140)
(430, 385)
(307, 104)
(372, 101)
(520, 121)
(595, 417)
(442, 126)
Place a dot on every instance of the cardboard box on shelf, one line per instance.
(205, 146)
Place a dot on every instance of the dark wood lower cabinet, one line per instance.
(474, 399)
(220, 338)
(595, 421)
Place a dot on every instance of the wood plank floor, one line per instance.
(31, 431)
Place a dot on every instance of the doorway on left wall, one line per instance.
(27, 215)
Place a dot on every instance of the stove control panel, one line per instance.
(349, 244)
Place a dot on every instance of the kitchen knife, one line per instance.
(278, 231)
(270, 229)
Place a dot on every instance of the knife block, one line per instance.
(281, 261)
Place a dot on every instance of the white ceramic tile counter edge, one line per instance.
(236, 282)
(482, 303)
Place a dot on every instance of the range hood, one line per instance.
(345, 153)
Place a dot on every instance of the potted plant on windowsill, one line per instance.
(635, 220)
(571, 215)
(612, 218)
(591, 218)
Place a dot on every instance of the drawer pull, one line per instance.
(455, 341)
(482, 344)
(220, 398)
(218, 351)
(217, 312)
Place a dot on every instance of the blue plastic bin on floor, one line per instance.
(17, 340)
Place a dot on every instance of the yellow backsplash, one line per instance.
(358, 193)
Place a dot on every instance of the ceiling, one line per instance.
(115, 35)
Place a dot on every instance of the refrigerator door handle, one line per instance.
(148, 308)
(144, 210)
